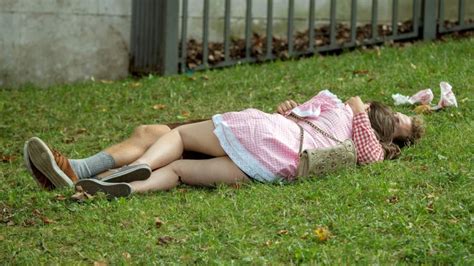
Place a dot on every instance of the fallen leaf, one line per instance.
(135, 84)
(192, 78)
(185, 114)
(413, 65)
(158, 222)
(100, 263)
(81, 130)
(10, 223)
(430, 206)
(205, 77)
(322, 233)
(360, 72)
(268, 243)
(60, 197)
(165, 240)
(423, 109)
(46, 220)
(7, 158)
(81, 195)
(126, 255)
(104, 81)
(159, 106)
(392, 199)
(283, 232)
(68, 140)
(2, 238)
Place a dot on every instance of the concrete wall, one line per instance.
(61, 41)
(48, 42)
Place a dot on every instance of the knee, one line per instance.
(148, 134)
(177, 167)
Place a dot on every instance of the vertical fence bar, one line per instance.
(269, 45)
(291, 13)
(333, 23)
(395, 18)
(205, 34)
(353, 21)
(155, 37)
(416, 14)
(461, 8)
(429, 20)
(311, 26)
(375, 7)
(184, 36)
(441, 15)
(226, 30)
(248, 28)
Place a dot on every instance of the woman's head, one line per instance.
(394, 130)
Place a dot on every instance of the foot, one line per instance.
(112, 190)
(128, 174)
(53, 165)
(40, 179)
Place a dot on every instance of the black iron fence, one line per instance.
(159, 42)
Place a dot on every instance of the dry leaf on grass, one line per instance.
(60, 197)
(7, 158)
(165, 240)
(81, 195)
(126, 255)
(423, 109)
(360, 72)
(322, 233)
(159, 106)
(282, 232)
(100, 263)
(105, 81)
(392, 199)
(158, 222)
(135, 84)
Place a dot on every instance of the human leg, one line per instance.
(46, 165)
(120, 154)
(210, 172)
(198, 137)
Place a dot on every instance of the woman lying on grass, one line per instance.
(242, 146)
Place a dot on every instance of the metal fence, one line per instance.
(156, 48)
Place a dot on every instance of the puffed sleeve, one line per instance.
(312, 108)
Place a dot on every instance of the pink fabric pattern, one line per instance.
(265, 146)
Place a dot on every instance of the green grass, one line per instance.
(416, 209)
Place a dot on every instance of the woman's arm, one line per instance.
(368, 147)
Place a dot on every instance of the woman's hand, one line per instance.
(286, 106)
(356, 105)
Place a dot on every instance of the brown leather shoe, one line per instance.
(52, 164)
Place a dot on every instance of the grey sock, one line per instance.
(91, 166)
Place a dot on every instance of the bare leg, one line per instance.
(132, 148)
(209, 172)
(198, 137)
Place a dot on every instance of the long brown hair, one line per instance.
(383, 122)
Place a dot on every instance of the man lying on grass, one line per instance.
(242, 146)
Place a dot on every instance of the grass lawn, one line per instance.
(416, 209)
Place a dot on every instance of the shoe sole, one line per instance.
(114, 190)
(43, 159)
(134, 173)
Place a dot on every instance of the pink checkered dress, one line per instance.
(265, 146)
